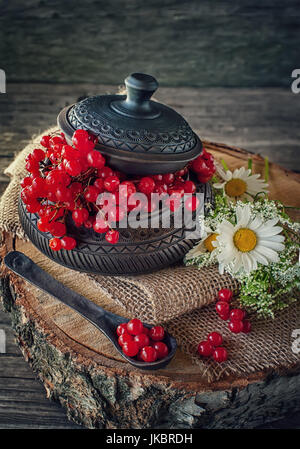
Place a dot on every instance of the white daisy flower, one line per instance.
(204, 246)
(251, 241)
(240, 183)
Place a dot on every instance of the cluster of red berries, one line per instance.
(237, 322)
(212, 347)
(67, 179)
(204, 166)
(138, 341)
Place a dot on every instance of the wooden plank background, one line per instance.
(247, 43)
(262, 120)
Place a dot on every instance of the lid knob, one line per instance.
(137, 104)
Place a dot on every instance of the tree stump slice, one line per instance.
(99, 389)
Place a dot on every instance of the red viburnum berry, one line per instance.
(112, 236)
(220, 355)
(225, 294)
(55, 244)
(68, 243)
(205, 348)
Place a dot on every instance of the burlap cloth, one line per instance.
(179, 297)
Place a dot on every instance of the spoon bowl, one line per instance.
(107, 322)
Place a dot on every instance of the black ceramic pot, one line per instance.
(135, 134)
(138, 251)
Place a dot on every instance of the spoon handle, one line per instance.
(31, 272)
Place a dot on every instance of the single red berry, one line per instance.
(99, 184)
(189, 187)
(70, 205)
(53, 179)
(38, 154)
(112, 236)
(142, 340)
(220, 355)
(43, 224)
(45, 141)
(57, 229)
(122, 329)
(225, 294)
(148, 354)
(157, 333)
(111, 183)
(146, 330)
(215, 339)
(199, 166)
(130, 348)
(235, 326)
(161, 349)
(237, 315)
(83, 141)
(63, 194)
(168, 178)
(135, 326)
(73, 167)
(124, 338)
(75, 188)
(32, 166)
(55, 244)
(95, 159)
(100, 225)
(56, 140)
(222, 307)
(191, 203)
(157, 178)
(105, 172)
(68, 243)
(38, 186)
(26, 194)
(205, 348)
(146, 185)
(91, 194)
(69, 153)
(246, 327)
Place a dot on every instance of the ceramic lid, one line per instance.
(134, 123)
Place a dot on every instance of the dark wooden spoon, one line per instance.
(105, 321)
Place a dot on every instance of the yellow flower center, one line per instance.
(208, 242)
(235, 187)
(245, 240)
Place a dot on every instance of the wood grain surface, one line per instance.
(182, 42)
